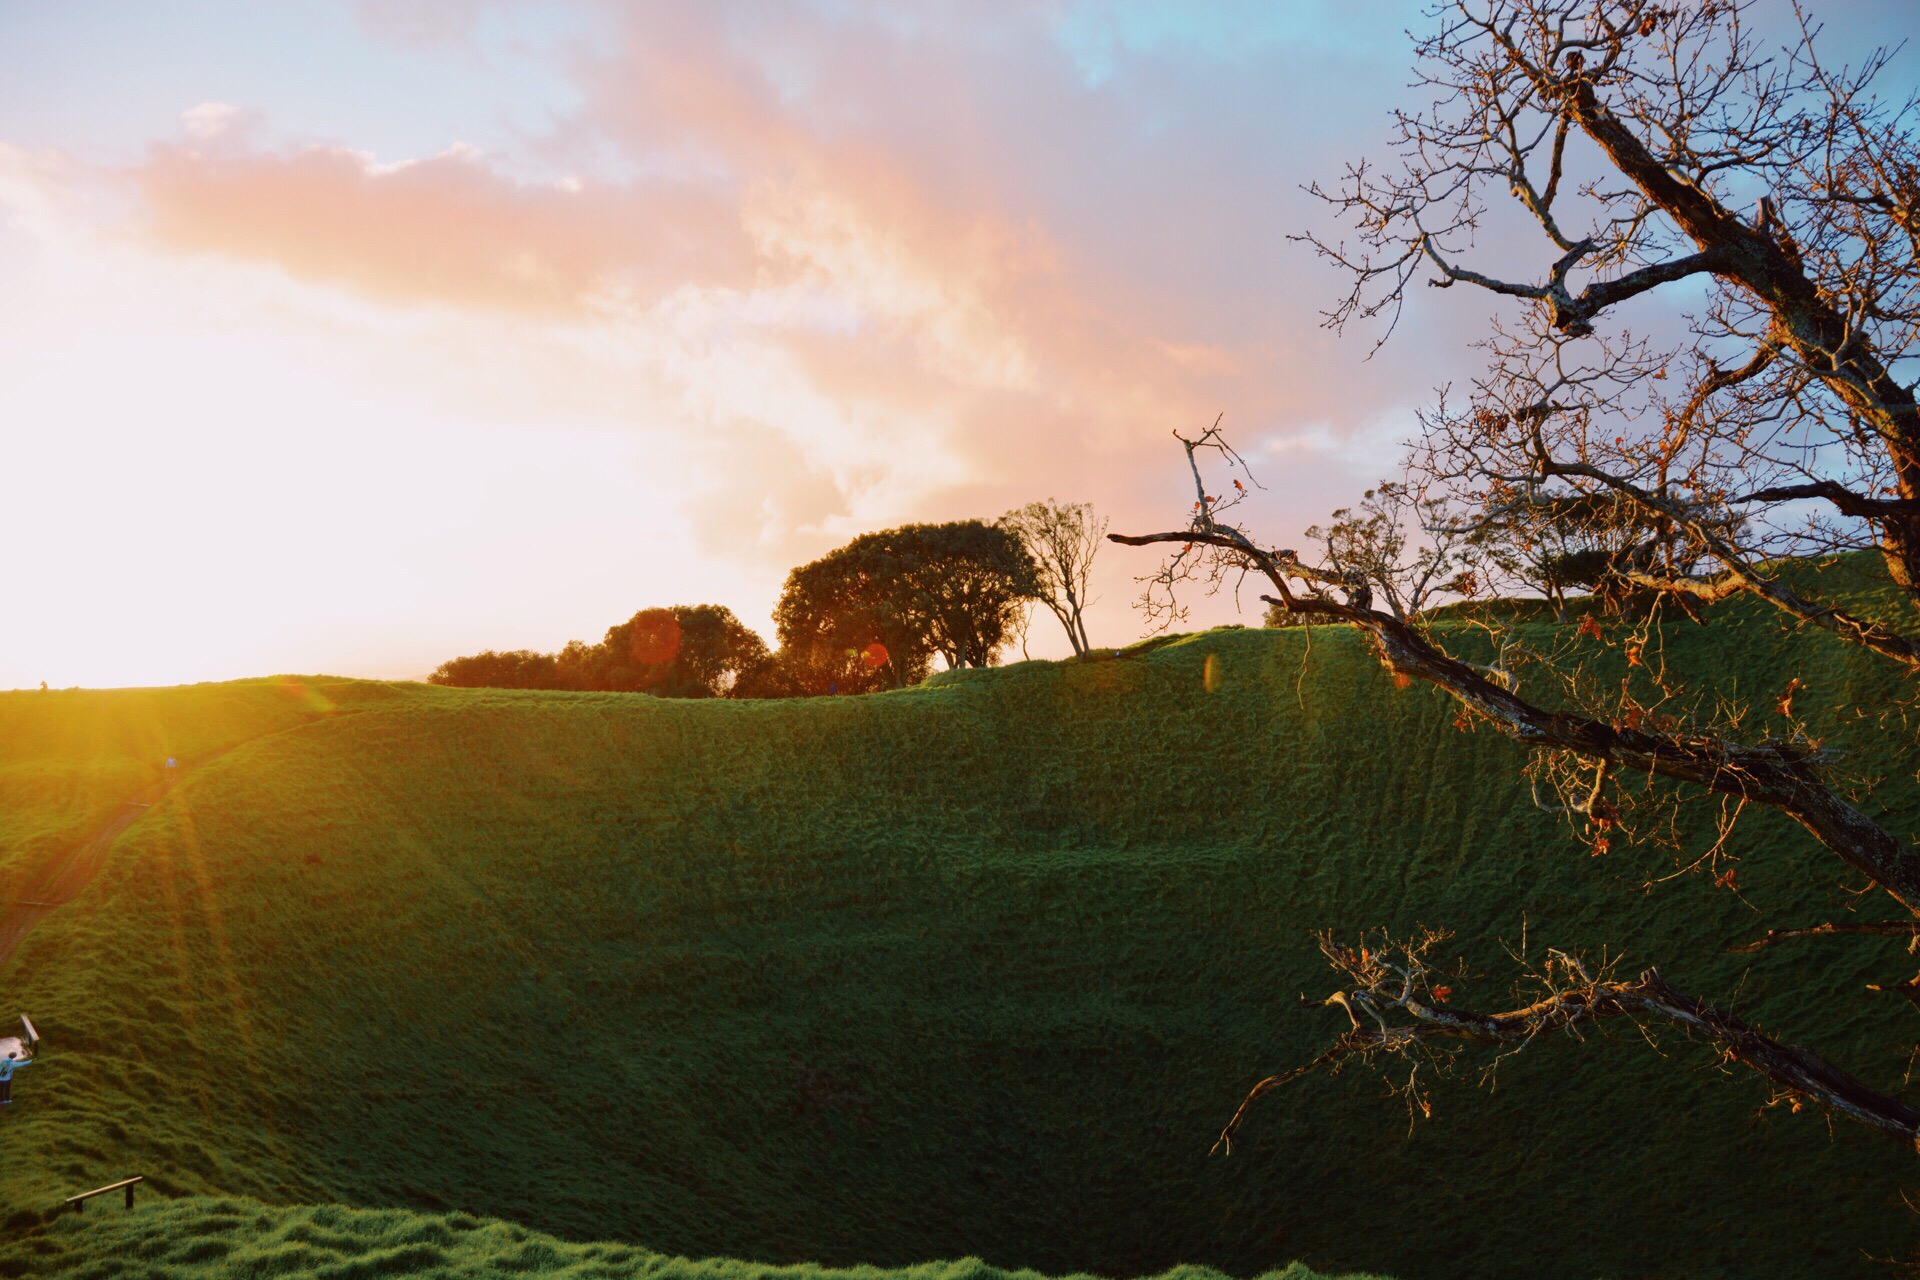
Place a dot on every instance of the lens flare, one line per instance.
(305, 698)
(656, 637)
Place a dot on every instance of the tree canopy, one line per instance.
(686, 651)
(512, 669)
(873, 613)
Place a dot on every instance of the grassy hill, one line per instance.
(970, 970)
(213, 1238)
(70, 757)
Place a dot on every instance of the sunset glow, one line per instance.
(347, 337)
(959, 639)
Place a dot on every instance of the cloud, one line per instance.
(419, 25)
(41, 191)
(214, 120)
(903, 342)
(836, 268)
(447, 228)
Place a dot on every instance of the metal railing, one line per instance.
(79, 1202)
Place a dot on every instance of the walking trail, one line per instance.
(62, 879)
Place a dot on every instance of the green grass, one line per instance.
(216, 1238)
(970, 970)
(70, 757)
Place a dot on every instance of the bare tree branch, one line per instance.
(1406, 1014)
(1776, 199)
(1775, 774)
(1875, 928)
(1844, 499)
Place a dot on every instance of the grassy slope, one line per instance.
(217, 1238)
(972, 969)
(69, 757)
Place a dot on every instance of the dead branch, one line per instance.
(1876, 928)
(1406, 1011)
(1777, 774)
(1813, 443)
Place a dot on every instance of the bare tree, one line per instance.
(1402, 544)
(1776, 422)
(1783, 420)
(1373, 541)
(1063, 540)
(1581, 752)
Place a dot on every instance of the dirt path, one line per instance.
(62, 879)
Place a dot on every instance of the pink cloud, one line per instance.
(445, 229)
(418, 24)
(994, 282)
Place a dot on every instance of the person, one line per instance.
(10, 1064)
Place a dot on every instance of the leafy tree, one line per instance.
(842, 631)
(779, 677)
(1380, 559)
(577, 663)
(965, 581)
(1369, 545)
(873, 613)
(1778, 423)
(687, 651)
(1062, 542)
(1600, 544)
(514, 669)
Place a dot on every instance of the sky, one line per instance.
(345, 337)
